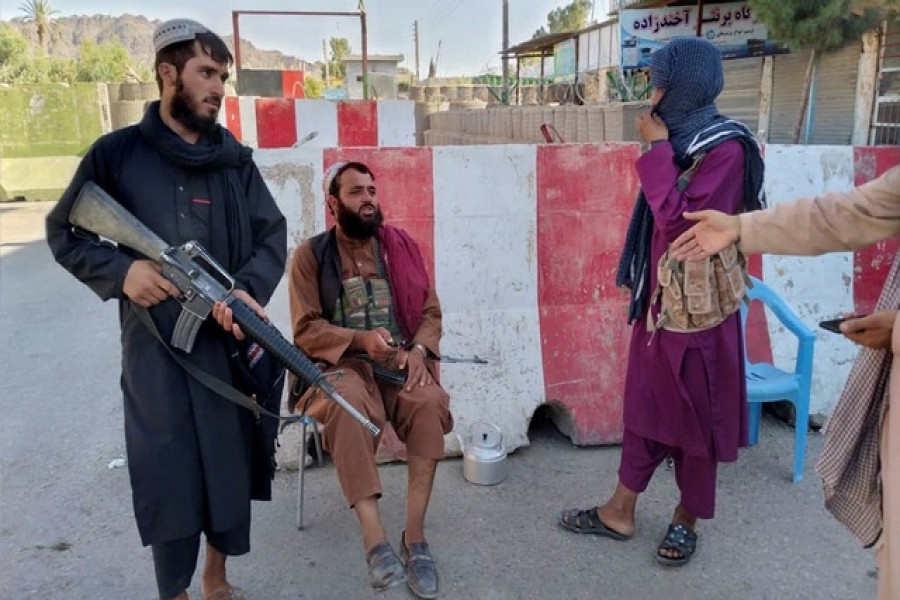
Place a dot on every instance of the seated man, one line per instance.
(360, 298)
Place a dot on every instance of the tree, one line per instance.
(40, 13)
(13, 45)
(107, 62)
(571, 17)
(313, 87)
(340, 47)
(819, 26)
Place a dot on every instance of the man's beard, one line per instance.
(357, 227)
(184, 110)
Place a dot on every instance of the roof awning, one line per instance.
(541, 46)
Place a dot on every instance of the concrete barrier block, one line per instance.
(126, 112)
(596, 131)
(583, 132)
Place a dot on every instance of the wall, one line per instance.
(284, 123)
(270, 83)
(595, 123)
(44, 129)
(381, 72)
(523, 242)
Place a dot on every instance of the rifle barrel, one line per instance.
(268, 336)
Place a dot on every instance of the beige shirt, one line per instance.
(322, 340)
(837, 221)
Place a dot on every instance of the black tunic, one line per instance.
(188, 449)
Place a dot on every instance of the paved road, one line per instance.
(66, 526)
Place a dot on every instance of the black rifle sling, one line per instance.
(209, 381)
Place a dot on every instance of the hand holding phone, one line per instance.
(834, 325)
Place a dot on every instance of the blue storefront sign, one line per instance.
(732, 26)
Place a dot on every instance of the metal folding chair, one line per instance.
(305, 421)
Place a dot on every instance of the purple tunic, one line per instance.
(687, 390)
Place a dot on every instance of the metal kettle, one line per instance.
(484, 457)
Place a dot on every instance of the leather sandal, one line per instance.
(421, 574)
(680, 539)
(385, 568)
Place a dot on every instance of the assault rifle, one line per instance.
(202, 282)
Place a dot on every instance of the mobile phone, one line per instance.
(834, 325)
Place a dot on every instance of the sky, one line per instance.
(470, 31)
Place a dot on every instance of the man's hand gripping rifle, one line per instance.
(202, 282)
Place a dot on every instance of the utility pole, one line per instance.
(505, 48)
(365, 50)
(416, 37)
(325, 57)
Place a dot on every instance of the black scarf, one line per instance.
(634, 264)
(219, 156)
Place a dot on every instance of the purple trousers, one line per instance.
(696, 475)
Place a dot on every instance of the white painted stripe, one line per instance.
(294, 177)
(485, 258)
(247, 105)
(396, 122)
(222, 119)
(318, 121)
(816, 288)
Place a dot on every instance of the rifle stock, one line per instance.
(96, 211)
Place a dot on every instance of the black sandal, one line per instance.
(588, 521)
(682, 540)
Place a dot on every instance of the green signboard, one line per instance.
(564, 63)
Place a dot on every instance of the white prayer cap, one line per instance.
(330, 174)
(174, 31)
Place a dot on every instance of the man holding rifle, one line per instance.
(186, 178)
(361, 302)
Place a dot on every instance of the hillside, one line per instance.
(135, 33)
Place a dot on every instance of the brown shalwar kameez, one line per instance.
(420, 416)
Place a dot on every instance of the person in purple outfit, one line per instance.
(685, 396)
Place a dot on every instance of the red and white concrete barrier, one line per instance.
(286, 122)
(523, 243)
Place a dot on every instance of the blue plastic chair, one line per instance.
(767, 383)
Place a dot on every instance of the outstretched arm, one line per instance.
(837, 221)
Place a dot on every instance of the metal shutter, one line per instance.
(886, 121)
(740, 97)
(835, 96)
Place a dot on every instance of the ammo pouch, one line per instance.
(698, 295)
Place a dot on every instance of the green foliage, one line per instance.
(340, 47)
(313, 87)
(13, 45)
(572, 17)
(42, 69)
(821, 25)
(107, 62)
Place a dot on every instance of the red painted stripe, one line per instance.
(233, 116)
(292, 84)
(358, 123)
(276, 123)
(758, 342)
(871, 265)
(584, 199)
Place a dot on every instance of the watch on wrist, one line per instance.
(421, 348)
